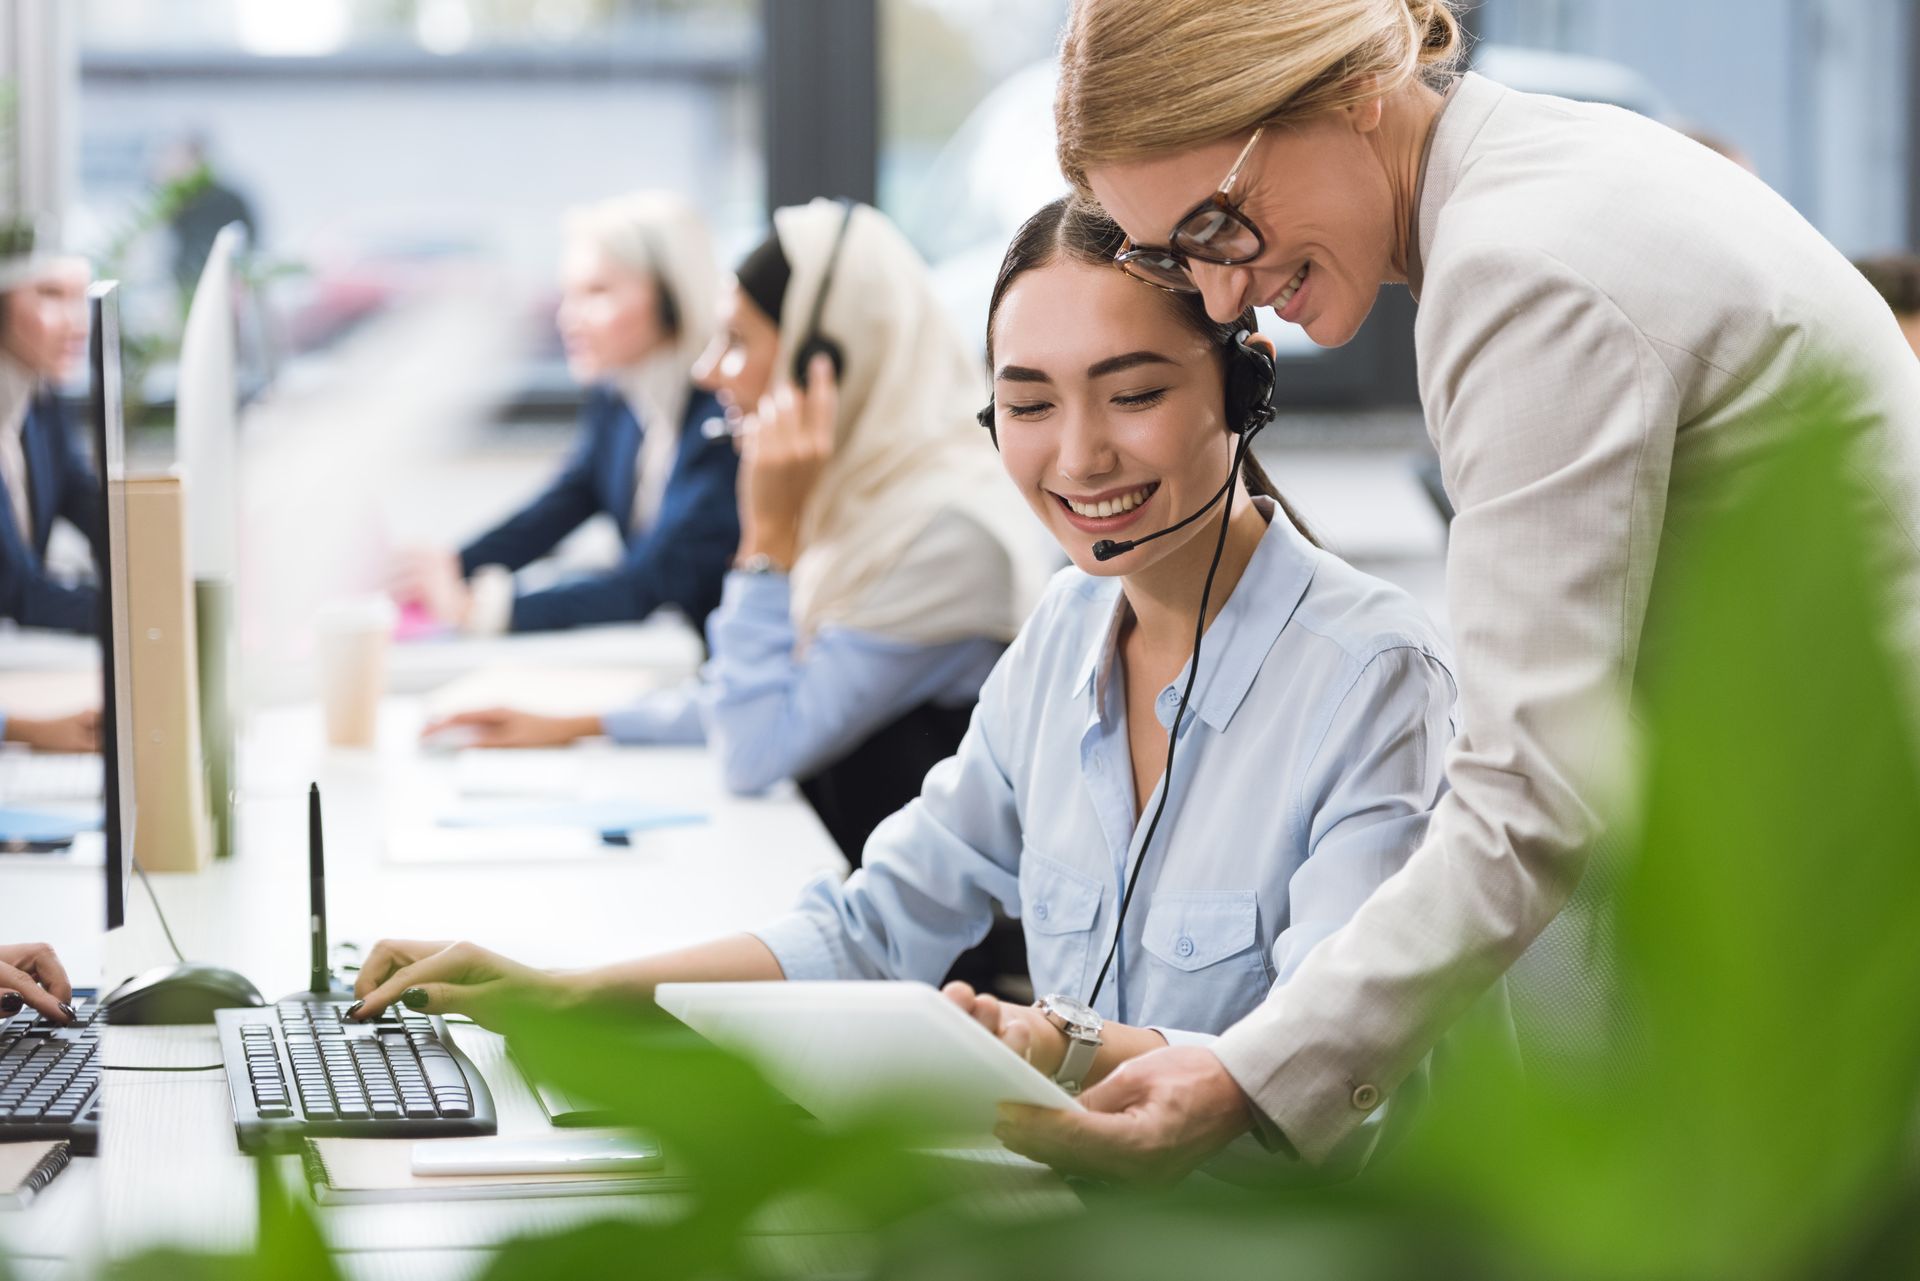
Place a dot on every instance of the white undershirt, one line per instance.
(16, 396)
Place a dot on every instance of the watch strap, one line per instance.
(1078, 1062)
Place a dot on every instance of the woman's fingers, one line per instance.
(388, 957)
(14, 979)
(44, 965)
(456, 966)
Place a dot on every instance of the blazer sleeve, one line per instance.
(1555, 422)
(32, 599)
(565, 505)
(681, 561)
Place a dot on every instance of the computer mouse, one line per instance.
(178, 994)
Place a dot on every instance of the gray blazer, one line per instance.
(1607, 313)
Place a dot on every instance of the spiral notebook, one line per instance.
(26, 1168)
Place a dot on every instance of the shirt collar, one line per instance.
(1469, 101)
(1238, 640)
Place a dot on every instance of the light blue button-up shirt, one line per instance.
(772, 711)
(1305, 770)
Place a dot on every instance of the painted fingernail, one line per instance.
(68, 1011)
(354, 1008)
(10, 1004)
(414, 998)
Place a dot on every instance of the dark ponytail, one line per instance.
(1081, 231)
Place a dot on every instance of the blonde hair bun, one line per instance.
(1442, 43)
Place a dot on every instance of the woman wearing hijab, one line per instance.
(44, 477)
(1613, 323)
(637, 306)
(883, 566)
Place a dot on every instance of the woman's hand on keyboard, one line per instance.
(35, 973)
(442, 978)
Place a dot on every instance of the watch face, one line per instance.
(1076, 1013)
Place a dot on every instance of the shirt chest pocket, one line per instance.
(1058, 907)
(1193, 930)
(1206, 968)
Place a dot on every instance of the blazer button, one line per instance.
(1366, 1097)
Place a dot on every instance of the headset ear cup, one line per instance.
(985, 419)
(1250, 386)
(819, 346)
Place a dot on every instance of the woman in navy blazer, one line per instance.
(639, 284)
(44, 476)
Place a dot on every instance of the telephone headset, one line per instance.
(814, 342)
(1249, 402)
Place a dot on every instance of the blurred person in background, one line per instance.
(202, 205)
(883, 565)
(638, 290)
(44, 475)
(1897, 277)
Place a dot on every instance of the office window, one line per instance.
(375, 142)
(1813, 91)
(966, 140)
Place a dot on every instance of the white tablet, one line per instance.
(841, 1049)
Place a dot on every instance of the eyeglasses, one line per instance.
(1212, 231)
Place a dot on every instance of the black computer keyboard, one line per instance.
(50, 1077)
(300, 1069)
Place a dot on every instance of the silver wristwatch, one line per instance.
(1082, 1024)
(760, 565)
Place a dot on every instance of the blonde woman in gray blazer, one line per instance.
(1609, 315)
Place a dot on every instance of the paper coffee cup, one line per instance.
(351, 643)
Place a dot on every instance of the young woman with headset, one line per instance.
(882, 568)
(638, 286)
(1114, 737)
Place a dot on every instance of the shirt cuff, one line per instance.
(667, 718)
(1301, 1101)
(1180, 1036)
(490, 601)
(797, 943)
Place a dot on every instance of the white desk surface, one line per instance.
(170, 1170)
(664, 643)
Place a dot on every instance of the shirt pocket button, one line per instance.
(1184, 947)
(1039, 911)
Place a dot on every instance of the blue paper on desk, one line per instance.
(608, 817)
(37, 825)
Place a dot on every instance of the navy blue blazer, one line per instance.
(680, 561)
(62, 484)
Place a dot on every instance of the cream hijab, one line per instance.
(906, 446)
(660, 234)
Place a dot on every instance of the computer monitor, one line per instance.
(207, 432)
(116, 639)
